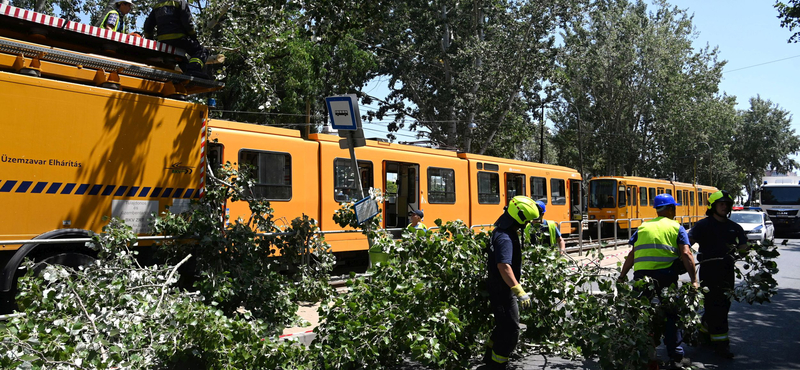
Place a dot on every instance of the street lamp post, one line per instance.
(541, 138)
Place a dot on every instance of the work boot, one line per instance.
(723, 350)
(492, 365)
(678, 363)
(487, 355)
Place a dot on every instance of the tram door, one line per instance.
(401, 181)
(515, 185)
(633, 204)
(575, 200)
(214, 155)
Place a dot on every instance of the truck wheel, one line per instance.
(69, 259)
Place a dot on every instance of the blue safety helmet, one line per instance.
(541, 206)
(664, 200)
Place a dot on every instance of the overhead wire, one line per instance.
(761, 64)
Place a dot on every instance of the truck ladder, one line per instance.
(98, 70)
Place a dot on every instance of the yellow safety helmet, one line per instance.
(720, 196)
(522, 209)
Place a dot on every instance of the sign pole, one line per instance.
(357, 174)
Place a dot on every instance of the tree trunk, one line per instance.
(40, 6)
(478, 14)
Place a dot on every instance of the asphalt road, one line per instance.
(763, 337)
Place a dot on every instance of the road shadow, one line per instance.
(762, 336)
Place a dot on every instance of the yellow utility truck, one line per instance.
(95, 124)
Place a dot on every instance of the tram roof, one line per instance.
(388, 145)
(646, 179)
(514, 162)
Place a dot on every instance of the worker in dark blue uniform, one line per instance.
(504, 266)
(658, 245)
(718, 238)
(171, 22)
(114, 20)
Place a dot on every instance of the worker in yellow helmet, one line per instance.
(718, 238)
(504, 266)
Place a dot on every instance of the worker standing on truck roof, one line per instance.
(115, 18)
(171, 22)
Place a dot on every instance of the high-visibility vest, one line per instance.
(551, 227)
(656, 245)
(120, 26)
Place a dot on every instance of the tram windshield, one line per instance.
(603, 193)
(780, 195)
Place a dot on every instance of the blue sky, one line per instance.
(749, 37)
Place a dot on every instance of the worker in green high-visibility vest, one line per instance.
(660, 249)
(114, 20)
(544, 231)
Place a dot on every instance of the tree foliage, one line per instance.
(789, 14)
(764, 140)
(428, 304)
(115, 313)
(636, 98)
(468, 72)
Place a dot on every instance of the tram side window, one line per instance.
(345, 188)
(558, 191)
(660, 190)
(643, 196)
(701, 198)
(215, 156)
(272, 173)
(669, 191)
(680, 198)
(539, 189)
(652, 192)
(691, 198)
(488, 188)
(631, 199)
(441, 185)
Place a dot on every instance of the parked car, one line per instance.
(757, 225)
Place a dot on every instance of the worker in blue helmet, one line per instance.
(660, 248)
(504, 265)
(544, 231)
(717, 238)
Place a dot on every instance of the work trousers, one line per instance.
(672, 335)
(718, 276)
(506, 322)
(197, 54)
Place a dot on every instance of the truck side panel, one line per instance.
(74, 155)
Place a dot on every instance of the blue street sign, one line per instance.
(343, 111)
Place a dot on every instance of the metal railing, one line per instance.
(686, 221)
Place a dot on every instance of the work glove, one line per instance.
(523, 299)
